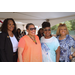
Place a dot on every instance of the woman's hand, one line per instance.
(71, 56)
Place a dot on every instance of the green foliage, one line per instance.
(55, 27)
(70, 25)
(73, 24)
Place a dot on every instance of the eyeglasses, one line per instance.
(47, 29)
(32, 29)
(61, 25)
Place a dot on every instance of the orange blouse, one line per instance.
(32, 52)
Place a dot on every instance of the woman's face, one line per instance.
(10, 25)
(31, 30)
(63, 31)
(47, 31)
(19, 31)
(41, 31)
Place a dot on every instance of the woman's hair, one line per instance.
(4, 26)
(39, 34)
(45, 24)
(27, 26)
(18, 33)
(58, 29)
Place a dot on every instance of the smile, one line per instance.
(33, 32)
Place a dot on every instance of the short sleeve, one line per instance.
(56, 44)
(71, 42)
(21, 43)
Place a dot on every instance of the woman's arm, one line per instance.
(20, 51)
(2, 47)
(58, 54)
(21, 46)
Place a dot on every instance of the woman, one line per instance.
(18, 32)
(29, 48)
(23, 33)
(40, 33)
(8, 41)
(49, 44)
(66, 42)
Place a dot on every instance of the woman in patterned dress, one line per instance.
(66, 42)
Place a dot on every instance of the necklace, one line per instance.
(62, 36)
(33, 39)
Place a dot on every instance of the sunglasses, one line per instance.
(32, 29)
(47, 29)
(61, 25)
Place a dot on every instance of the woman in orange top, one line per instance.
(29, 48)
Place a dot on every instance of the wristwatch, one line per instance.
(72, 56)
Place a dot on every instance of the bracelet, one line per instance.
(72, 56)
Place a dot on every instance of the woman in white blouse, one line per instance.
(8, 41)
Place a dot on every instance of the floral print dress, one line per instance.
(65, 47)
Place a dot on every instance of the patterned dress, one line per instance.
(65, 47)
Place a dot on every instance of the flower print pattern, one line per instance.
(65, 47)
(45, 48)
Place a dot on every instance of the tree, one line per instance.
(55, 27)
(73, 24)
(68, 24)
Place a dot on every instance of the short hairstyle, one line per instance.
(4, 26)
(45, 24)
(58, 29)
(27, 26)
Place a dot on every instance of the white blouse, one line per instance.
(14, 43)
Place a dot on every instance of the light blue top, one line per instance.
(65, 47)
(49, 46)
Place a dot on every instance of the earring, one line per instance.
(44, 34)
